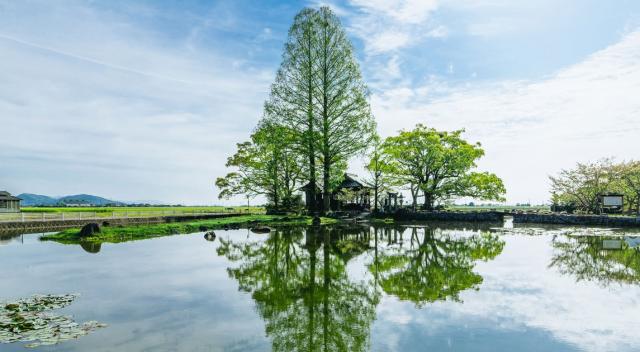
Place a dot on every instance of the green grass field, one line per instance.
(179, 210)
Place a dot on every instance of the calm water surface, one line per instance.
(411, 288)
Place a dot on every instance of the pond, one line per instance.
(439, 287)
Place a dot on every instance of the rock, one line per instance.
(89, 229)
(260, 229)
(226, 227)
(210, 236)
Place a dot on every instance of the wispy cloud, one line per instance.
(531, 129)
(114, 111)
(386, 26)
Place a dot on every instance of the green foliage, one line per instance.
(265, 166)
(581, 186)
(379, 169)
(438, 164)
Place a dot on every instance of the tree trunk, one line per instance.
(428, 201)
(414, 196)
(375, 198)
(326, 195)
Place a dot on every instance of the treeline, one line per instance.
(581, 187)
(317, 117)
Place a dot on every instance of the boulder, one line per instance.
(89, 229)
(210, 236)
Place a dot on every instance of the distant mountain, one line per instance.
(29, 199)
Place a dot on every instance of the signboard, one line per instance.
(612, 201)
(612, 244)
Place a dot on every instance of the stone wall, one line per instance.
(589, 220)
(480, 216)
(519, 217)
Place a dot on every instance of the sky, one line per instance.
(145, 100)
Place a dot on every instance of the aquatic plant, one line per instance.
(29, 320)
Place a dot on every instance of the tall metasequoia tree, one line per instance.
(291, 102)
(345, 124)
(319, 94)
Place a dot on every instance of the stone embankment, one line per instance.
(587, 220)
(480, 216)
(520, 217)
(14, 227)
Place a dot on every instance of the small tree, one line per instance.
(379, 179)
(265, 166)
(583, 185)
(630, 176)
(439, 164)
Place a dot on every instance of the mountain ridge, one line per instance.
(31, 199)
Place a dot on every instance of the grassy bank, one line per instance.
(116, 234)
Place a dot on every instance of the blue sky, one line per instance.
(145, 100)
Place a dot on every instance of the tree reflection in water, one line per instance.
(587, 259)
(299, 281)
(302, 290)
(434, 265)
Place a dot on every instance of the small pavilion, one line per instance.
(351, 194)
(9, 203)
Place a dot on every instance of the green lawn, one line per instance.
(115, 234)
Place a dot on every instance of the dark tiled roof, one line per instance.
(4, 195)
(350, 181)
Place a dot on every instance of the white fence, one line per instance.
(61, 216)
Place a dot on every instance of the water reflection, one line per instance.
(298, 278)
(299, 283)
(434, 265)
(91, 247)
(605, 260)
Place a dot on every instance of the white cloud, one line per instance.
(386, 26)
(531, 129)
(110, 109)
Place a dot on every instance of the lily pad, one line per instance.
(29, 320)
